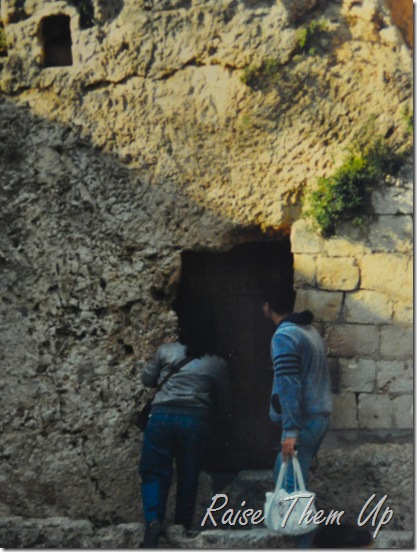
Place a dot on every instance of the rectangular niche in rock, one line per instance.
(56, 41)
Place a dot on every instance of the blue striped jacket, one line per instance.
(301, 388)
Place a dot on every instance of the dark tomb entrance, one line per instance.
(219, 297)
(56, 41)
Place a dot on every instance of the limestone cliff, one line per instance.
(150, 141)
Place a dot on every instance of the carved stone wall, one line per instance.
(149, 145)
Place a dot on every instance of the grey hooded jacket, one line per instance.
(195, 385)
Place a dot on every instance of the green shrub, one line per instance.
(346, 193)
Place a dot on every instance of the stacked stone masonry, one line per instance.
(362, 292)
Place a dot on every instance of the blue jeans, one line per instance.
(170, 436)
(309, 440)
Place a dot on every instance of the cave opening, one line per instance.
(56, 41)
(219, 297)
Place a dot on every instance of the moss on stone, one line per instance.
(345, 193)
(262, 76)
(308, 37)
(408, 117)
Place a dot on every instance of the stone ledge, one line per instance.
(17, 532)
(63, 532)
(263, 538)
(227, 538)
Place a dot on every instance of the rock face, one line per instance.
(150, 145)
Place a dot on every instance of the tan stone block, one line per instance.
(374, 411)
(394, 376)
(337, 246)
(354, 233)
(367, 307)
(403, 412)
(337, 274)
(350, 340)
(409, 278)
(344, 414)
(304, 270)
(386, 273)
(397, 342)
(393, 200)
(357, 375)
(325, 305)
(404, 312)
(304, 239)
(392, 233)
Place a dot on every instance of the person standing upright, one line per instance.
(301, 398)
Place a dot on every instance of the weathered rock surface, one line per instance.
(70, 534)
(168, 81)
(150, 145)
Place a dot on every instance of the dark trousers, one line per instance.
(169, 437)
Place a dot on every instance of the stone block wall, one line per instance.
(359, 285)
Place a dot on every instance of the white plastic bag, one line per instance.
(284, 511)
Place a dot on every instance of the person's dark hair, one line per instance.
(197, 341)
(280, 295)
(345, 535)
(196, 347)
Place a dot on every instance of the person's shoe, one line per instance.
(152, 534)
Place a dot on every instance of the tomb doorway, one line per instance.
(220, 296)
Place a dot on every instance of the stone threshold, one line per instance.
(63, 532)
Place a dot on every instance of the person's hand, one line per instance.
(288, 448)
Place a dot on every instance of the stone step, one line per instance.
(226, 538)
(344, 479)
(60, 532)
(264, 539)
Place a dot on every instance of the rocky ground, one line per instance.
(68, 533)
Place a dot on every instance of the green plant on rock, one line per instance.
(263, 75)
(249, 73)
(307, 38)
(408, 118)
(246, 120)
(346, 193)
